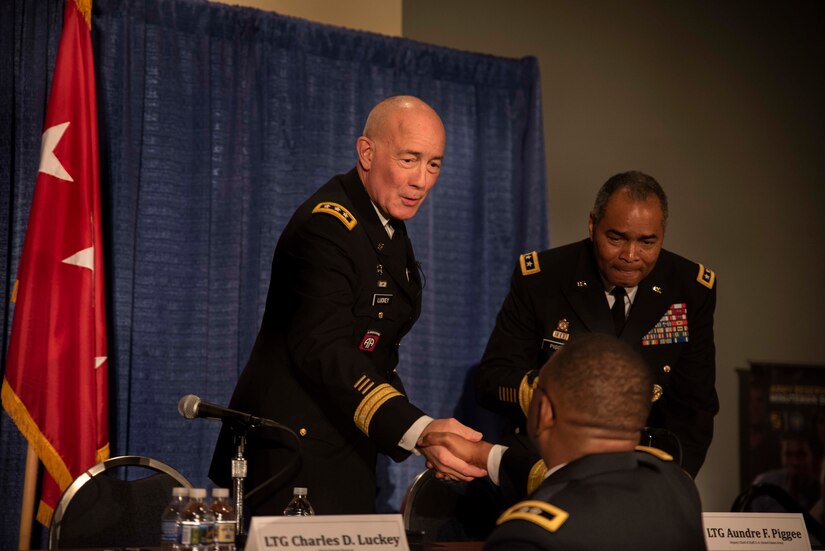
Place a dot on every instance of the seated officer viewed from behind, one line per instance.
(344, 290)
(591, 400)
(619, 281)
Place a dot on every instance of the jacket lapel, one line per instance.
(585, 293)
(391, 252)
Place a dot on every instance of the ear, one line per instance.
(540, 416)
(590, 225)
(366, 150)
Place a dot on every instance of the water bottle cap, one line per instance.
(300, 491)
(197, 493)
(220, 492)
(180, 491)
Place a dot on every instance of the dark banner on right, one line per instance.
(782, 434)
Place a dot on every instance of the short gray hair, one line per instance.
(638, 185)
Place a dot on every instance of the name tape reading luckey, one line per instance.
(330, 541)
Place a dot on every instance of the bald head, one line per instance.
(599, 383)
(392, 111)
(400, 154)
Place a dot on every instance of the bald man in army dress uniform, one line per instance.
(344, 291)
(664, 311)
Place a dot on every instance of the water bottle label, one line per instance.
(169, 531)
(224, 531)
(207, 532)
(189, 533)
(195, 533)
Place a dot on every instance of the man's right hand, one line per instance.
(474, 453)
(446, 464)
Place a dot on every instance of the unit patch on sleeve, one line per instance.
(672, 328)
(706, 277)
(338, 212)
(529, 263)
(369, 341)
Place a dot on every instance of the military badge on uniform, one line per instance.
(672, 328)
(560, 336)
(529, 263)
(369, 340)
(338, 211)
(562, 329)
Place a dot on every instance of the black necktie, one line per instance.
(618, 309)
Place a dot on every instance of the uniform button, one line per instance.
(302, 432)
(518, 430)
(380, 246)
(380, 315)
(398, 345)
(666, 369)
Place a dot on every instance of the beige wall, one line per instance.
(378, 16)
(720, 101)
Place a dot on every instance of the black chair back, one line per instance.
(101, 510)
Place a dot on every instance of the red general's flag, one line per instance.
(55, 385)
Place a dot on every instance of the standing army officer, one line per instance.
(344, 290)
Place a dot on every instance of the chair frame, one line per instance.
(109, 464)
(409, 497)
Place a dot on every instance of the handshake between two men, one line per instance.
(454, 450)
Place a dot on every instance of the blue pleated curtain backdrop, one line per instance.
(215, 123)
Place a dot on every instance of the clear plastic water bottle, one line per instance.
(170, 520)
(197, 523)
(299, 505)
(224, 513)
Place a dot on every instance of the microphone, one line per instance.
(191, 406)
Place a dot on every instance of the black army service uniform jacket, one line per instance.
(342, 294)
(620, 501)
(558, 293)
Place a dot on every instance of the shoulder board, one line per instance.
(706, 276)
(529, 263)
(338, 212)
(542, 514)
(656, 452)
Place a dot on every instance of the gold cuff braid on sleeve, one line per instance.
(525, 392)
(370, 405)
